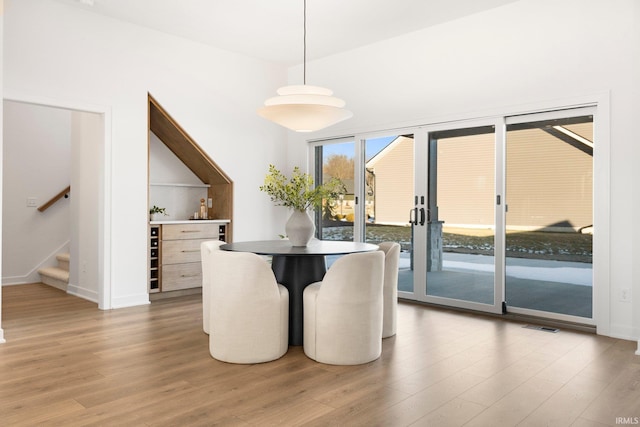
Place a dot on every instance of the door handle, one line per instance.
(413, 216)
(422, 216)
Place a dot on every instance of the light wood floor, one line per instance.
(67, 363)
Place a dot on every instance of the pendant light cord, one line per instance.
(304, 45)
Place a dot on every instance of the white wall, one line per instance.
(511, 59)
(1, 144)
(66, 55)
(37, 163)
(635, 189)
(165, 167)
(87, 130)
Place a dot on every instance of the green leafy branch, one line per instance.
(156, 210)
(298, 192)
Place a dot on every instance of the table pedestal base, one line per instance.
(295, 273)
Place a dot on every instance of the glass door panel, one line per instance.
(389, 198)
(461, 215)
(549, 220)
(336, 220)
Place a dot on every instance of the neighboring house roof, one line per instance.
(382, 153)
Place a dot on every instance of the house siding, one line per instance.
(466, 180)
(394, 177)
(549, 182)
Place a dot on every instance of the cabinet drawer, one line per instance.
(178, 251)
(181, 276)
(189, 231)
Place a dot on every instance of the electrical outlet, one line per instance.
(32, 202)
(625, 295)
(209, 202)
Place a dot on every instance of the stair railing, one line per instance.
(64, 193)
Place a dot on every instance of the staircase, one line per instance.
(58, 277)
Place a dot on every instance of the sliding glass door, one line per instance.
(549, 220)
(493, 215)
(461, 222)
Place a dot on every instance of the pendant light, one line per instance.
(304, 108)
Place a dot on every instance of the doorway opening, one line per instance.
(78, 224)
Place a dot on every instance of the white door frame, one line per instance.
(104, 211)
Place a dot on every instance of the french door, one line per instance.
(492, 215)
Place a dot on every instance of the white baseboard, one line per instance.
(16, 280)
(83, 293)
(623, 332)
(130, 301)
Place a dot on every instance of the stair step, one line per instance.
(55, 276)
(63, 261)
(55, 272)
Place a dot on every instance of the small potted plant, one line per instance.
(299, 194)
(155, 212)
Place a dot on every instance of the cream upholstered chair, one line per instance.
(343, 312)
(205, 249)
(248, 309)
(390, 291)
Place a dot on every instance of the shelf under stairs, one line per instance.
(58, 277)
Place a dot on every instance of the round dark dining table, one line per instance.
(295, 267)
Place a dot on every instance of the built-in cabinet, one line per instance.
(174, 246)
(218, 186)
(175, 253)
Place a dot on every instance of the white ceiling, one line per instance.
(273, 29)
